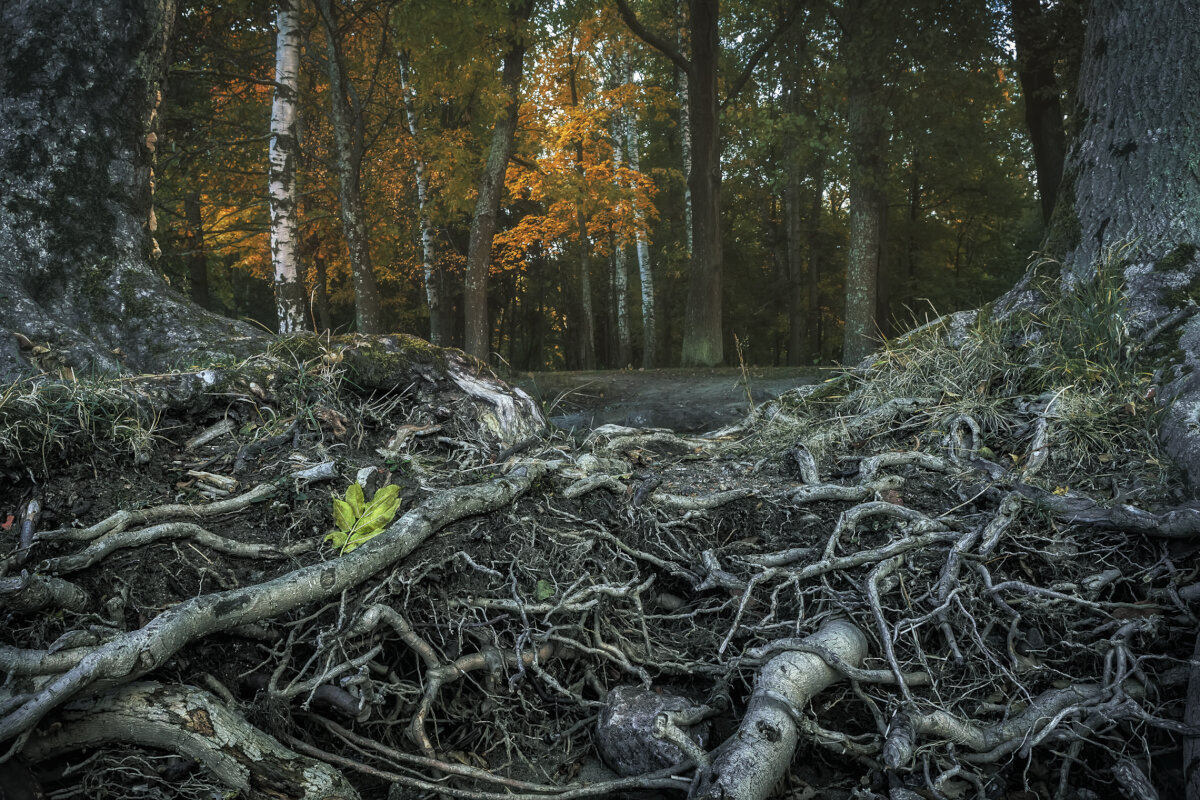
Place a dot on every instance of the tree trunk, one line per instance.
(349, 148)
(1133, 183)
(282, 154)
(685, 125)
(702, 321)
(798, 348)
(867, 135)
(197, 257)
(645, 271)
(587, 328)
(439, 329)
(620, 256)
(491, 190)
(1036, 54)
(79, 91)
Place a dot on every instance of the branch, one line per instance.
(651, 38)
(756, 56)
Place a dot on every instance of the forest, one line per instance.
(392, 116)
(274, 523)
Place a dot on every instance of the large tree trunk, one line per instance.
(702, 321)
(491, 191)
(79, 89)
(1132, 181)
(439, 318)
(282, 154)
(349, 148)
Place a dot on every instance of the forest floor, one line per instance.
(687, 400)
(937, 578)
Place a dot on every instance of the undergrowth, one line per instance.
(1072, 361)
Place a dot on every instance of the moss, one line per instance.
(1065, 231)
(1178, 259)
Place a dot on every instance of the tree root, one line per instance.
(134, 654)
(195, 724)
(749, 763)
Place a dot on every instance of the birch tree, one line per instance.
(282, 154)
(439, 332)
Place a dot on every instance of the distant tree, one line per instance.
(491, 185)
(282, 189)
(350, 147)
(703, 330)
(1038, 35)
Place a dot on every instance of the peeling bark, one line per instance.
(282, 156)
(192, 723)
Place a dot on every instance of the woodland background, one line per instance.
(600, 159)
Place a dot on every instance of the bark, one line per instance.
(703, 341)
(1131, 181)
(685, 125)
(621, 258)
(748, 765)
(491, 190)
(282, 156)
(349, 149)
(193, 723)
(197, 258)
(867, 135)
(1036, 54)
(79, 90)
(645, 270)
(439, 318)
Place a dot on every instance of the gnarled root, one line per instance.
(192, 723)
(749, 763)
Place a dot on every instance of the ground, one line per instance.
(1027, 628)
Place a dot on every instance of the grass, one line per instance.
(1075, 349)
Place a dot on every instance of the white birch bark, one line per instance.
(645, 271)
(282, 153)
(433, 295)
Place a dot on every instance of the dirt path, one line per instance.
(681, 399)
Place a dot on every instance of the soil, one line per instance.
(631, 582)
(686, 400)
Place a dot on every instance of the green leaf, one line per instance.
(354, 496)
(343, 515)
(544, 590)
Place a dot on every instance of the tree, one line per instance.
(77, 138)
(350, 148)
(435, 289)
(282, 189)
(1038, 49)
(1132, 190)
(491, 186)
(867, 137)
